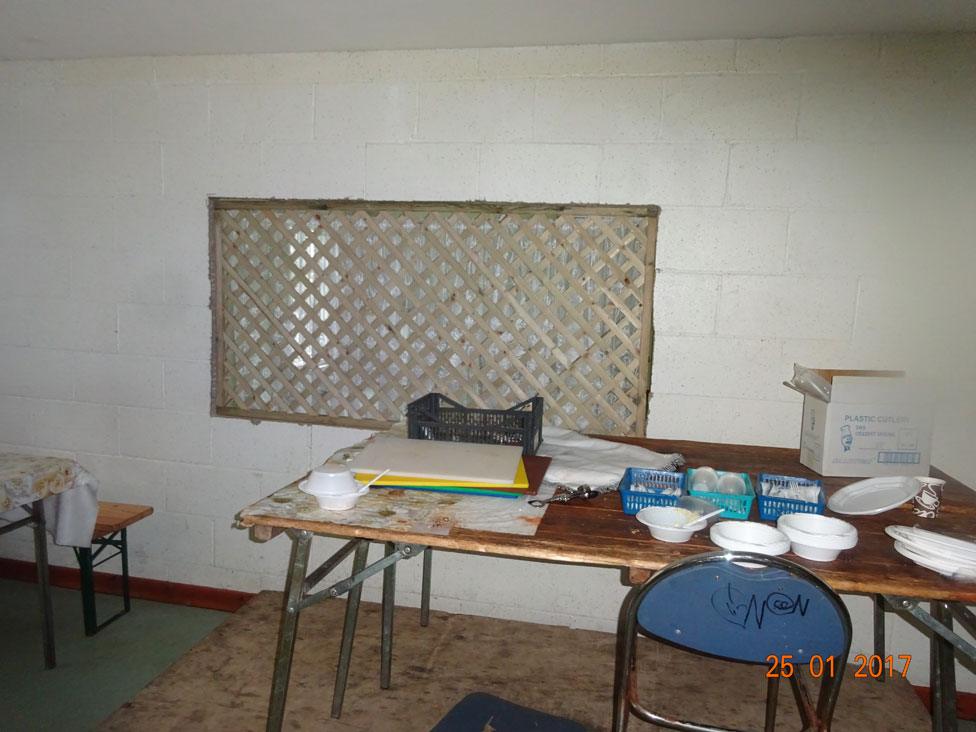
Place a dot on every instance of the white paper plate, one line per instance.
(873, 496)
(936, 564)
(930, 542)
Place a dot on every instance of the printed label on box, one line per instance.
(864, 440)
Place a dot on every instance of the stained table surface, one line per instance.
(597, 532)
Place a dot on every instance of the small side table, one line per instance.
(26, 482)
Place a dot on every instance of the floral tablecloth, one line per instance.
(69, 493)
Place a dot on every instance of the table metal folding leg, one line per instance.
(299, 595)
(37, 522)
(945, 644)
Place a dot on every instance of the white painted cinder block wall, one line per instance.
(817, 200)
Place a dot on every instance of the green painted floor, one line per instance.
(94, 675)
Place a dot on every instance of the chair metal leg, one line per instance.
(349, 629)
(879, 630)
(43, 583)
(943, 674)
(425, 588)
(301, 543)
(386, 640)
(625, 661)
(88, 611)
(829, 691)
(772, 697)
(804, 704)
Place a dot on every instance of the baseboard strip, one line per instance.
(965, 701)
(175, 593)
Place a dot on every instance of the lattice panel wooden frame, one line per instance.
(342, 312)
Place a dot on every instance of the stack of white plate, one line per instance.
(946, 555)
(749, 536)
(816, 537)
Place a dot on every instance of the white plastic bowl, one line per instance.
(749, 536)
(665, 523)
(334, 502)
(816, 537)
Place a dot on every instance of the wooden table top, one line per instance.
(597, 532)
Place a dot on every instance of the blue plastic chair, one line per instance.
(478, 712)
(741, 607)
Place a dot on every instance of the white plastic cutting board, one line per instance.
(442, 460)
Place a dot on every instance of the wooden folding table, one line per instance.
(597, 532)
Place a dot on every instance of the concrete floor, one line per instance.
(94, 676)
(223, 683)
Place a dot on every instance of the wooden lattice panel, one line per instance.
(343, 312)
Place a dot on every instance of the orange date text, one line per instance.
(865, 667)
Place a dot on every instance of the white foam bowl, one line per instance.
(334, 501)
(665, 523)
(749, 536)
(331, 479)
(816, 537)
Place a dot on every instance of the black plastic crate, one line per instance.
(436, 417)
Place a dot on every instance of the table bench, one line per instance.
(110, 531)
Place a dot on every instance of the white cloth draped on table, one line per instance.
(69, 493)
(71, 515)
(579, 460)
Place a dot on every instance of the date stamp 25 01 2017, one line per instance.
(866, 667)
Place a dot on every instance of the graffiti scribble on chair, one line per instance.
(738, 607)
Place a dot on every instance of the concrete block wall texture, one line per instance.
(816, 200)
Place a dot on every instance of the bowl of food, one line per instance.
(817, 537)
(671, 523)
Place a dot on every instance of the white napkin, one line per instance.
(578, 460)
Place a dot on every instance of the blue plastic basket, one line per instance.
(642, 487)
(772, 507)
(736, 505)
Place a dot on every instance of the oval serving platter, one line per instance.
(873, 496)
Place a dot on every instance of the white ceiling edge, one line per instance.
(70, 29)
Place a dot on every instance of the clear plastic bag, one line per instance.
(809, 382)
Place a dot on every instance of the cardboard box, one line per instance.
(875, 423)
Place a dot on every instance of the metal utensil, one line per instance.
(582, 491)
